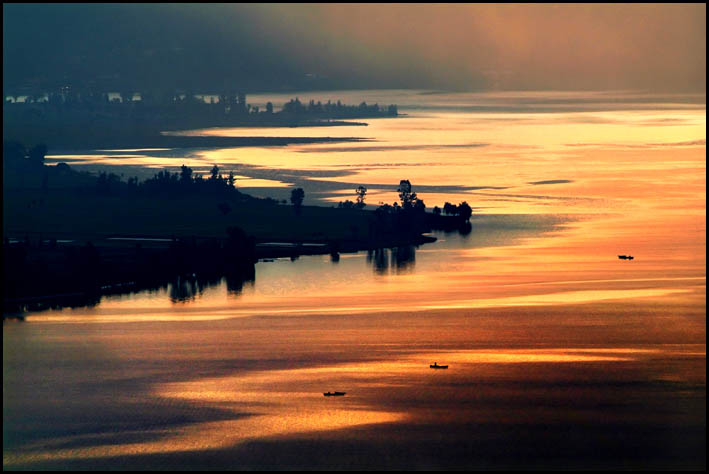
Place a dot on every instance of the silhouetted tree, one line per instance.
(450, 209)
(214, 173)
(464, 210)
(437, 211)
(107, 183)
(419, 206)
(361, 191)
(406, 195)
(296, 198)
(185, 175)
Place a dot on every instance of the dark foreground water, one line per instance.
(592, 387)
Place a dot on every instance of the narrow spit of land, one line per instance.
(85, 121)
(72, 233)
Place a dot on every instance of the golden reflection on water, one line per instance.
(332, 304)
(286, 402)
(603, 155)
(634, 184)
(624, 214)
(205, 436)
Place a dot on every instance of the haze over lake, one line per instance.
(354, 236)
(560, 354)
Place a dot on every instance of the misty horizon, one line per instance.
(277, 47)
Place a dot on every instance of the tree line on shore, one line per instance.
(49, 268)
(174, 107)
(337, 109)
(20, 160)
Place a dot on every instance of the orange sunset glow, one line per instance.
(354, 236)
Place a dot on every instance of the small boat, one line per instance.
(625, 257)
(436, 366)
(334, 394)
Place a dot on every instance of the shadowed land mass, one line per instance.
(70, 234)
(88, 119)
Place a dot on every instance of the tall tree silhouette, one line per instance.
(361, 191)
(450, 209)
(185, 175)
(296, 198)
(464, 210)
(214, 173)
(406, 195)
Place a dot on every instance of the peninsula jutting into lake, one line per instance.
(69, 118)
(223, 248)
(58, 244)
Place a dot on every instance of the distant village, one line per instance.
(160, 106)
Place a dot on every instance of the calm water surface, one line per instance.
(559, 354)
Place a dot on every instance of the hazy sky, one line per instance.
(658, 47)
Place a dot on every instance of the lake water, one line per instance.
(560, 354)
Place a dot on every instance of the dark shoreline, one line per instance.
(134, 276)
(72, 235)
(86, 132)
